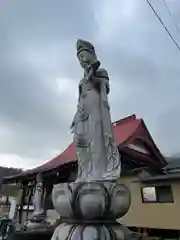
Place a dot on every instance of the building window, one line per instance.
(157, 194)
(149, 194)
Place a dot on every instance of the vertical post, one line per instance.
(22, 202)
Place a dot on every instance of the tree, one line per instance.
(5, 172)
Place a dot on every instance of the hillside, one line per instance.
(4, 172)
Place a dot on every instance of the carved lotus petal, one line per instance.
(61, 197)
(120, 200)
(84, 232)
(92, 232)
(90, 201)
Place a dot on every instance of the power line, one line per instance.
(159, 18)
(169, 12)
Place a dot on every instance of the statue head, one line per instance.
(86, 54)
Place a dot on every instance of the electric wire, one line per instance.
(162, 23)
(170, 14)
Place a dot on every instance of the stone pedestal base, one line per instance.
(36, 223)
(33, 226)
(89, 211)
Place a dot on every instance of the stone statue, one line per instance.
(90, 206)
(97, 153)
(38, 218)
(38, 198)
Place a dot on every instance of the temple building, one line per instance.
(142, 172)
(135, 145)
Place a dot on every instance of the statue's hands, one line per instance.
(104, 81)
(89, 73)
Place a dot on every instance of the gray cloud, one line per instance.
(39, 72)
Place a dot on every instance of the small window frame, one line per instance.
(157, 198)
(142, 196)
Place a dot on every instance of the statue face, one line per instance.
(86, 58)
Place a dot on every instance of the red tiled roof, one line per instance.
(124, 130)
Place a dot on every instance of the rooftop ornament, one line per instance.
(90, 206)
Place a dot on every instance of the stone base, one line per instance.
(93, 231)
(89, 210)
(30, 225)
(36, 222)
(86, 201)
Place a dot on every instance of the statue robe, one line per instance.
(97, 153)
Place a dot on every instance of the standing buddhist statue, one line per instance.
(90, 206)
(38, 218)
(97, 153)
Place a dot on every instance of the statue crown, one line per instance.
(83, 45)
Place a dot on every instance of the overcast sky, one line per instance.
(39, 71)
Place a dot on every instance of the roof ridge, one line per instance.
(125, 120)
